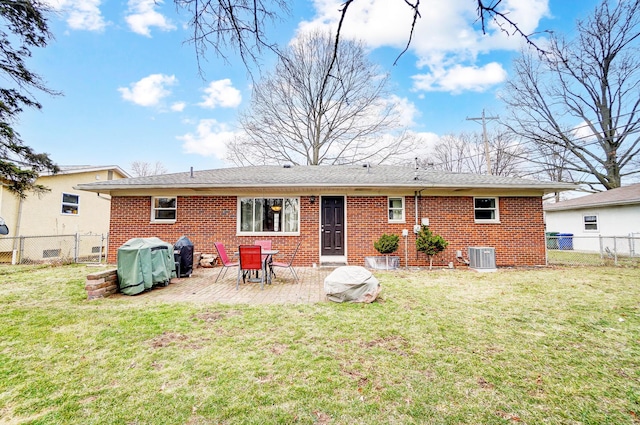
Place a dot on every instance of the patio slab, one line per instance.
(202, 287)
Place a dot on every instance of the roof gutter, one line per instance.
(107, 188)
(594, 205)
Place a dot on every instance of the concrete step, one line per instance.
(332, 265)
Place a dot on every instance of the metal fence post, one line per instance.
(615, 251)
(601, 247)
(106, 247)
(21, 256)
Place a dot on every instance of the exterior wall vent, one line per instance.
(482, 257)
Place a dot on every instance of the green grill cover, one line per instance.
(143, 263)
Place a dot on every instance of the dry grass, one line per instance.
(447, 347)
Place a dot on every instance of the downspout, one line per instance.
(415, 203)
(417, 197)
(415, 200)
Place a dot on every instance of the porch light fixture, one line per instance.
(312, 199)
(276, 208)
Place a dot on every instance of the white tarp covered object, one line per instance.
(351, 283)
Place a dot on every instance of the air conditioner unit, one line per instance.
(482, 257)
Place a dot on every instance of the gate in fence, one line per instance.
(565, 248)
(76, 248)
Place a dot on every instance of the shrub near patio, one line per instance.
(441, 347)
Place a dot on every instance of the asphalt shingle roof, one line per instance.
(624, 195)
(71, 169)
(321, 176)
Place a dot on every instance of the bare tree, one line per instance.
(550, 163)
(142, 168)
(506, 154)
(464, 153)
(306, 113)
(582, 96)
(237, 25)
(243, 25)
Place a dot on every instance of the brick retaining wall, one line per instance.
(101, 284)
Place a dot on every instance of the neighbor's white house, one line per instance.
(62, 210)
(595, 219)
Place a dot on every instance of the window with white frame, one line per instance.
(396, 209)
(485, 210)
(269, 215)
(590, 222)
(70, 203)
(164, 208)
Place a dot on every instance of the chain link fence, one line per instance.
(59, 249)
(567, 249)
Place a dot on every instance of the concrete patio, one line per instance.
(201, 287)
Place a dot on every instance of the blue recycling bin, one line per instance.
(565, 241)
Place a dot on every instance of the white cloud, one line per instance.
(447, 35)
(149, 91)
(458, 78)
(178, 106)
(584, 132)
(143, 15)
(221, 93)
(210, 139)
(425, 142)
(80, 14)
(405, 109)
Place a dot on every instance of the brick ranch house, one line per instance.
(336, 211)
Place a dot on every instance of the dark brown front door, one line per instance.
(332, 225)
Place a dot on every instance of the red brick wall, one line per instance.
(205, 220)
(518, 238)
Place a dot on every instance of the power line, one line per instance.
(572, 129)
(484, 136)
(542, 155)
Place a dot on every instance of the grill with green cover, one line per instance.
(144, 263)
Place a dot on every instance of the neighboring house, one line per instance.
(336, 211)
(62, 210)
(615, 212)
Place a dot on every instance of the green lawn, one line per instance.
(560, 257)
(549, 346)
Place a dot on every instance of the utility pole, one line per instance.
(484, 137)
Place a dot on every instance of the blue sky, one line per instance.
(132, 92)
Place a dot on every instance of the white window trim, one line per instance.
(400, 220)
(495, 220)
(62, 204)
(153, 210)
(239, 217)
(597, 222)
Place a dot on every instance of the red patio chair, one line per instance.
(250, 260)
(265, 245)
(224, 259)
(288, 264)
